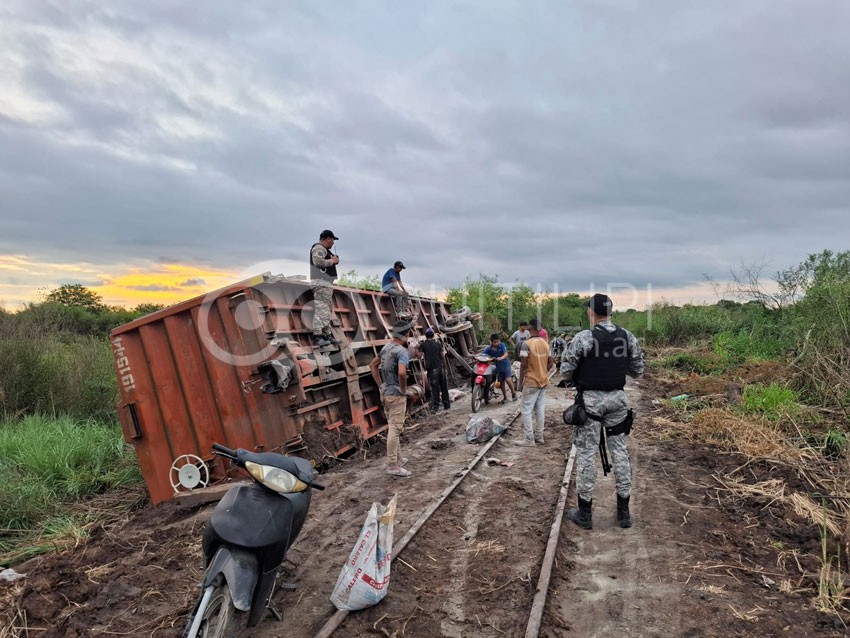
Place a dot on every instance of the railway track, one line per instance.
(538, 604)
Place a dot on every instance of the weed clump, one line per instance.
(771, 401)
(49, 462)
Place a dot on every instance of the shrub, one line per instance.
(57, 359)
(55, 375)
(503, 306)
(352, 279)
(822, 324)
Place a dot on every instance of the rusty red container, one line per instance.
(237, 367)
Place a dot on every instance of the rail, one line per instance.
(539, 603)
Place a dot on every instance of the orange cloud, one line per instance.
(162, 284)
(23, 280)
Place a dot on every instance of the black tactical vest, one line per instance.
(604, 367)
(329, 273)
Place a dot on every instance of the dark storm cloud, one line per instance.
(562, 144)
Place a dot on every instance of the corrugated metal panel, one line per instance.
(191, 375)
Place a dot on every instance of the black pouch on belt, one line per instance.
(623, 427)
(575, 415)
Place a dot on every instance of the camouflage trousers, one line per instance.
(612, 407)
(322, 299)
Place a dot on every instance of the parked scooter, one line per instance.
(246, 540)
(482, 381)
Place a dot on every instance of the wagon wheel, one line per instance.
(188, 472)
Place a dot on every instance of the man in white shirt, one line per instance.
(519, 337)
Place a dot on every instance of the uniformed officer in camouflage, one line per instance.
(323, 273)
(597, 362)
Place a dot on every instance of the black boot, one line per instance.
(623, 516)
(581, 515)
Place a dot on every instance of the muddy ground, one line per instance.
(696, 563)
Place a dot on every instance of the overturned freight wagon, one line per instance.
(238, 367)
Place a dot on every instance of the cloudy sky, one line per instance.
(156, 150)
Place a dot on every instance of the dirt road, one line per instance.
(694, 564)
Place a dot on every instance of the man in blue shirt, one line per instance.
(499, 352)
(391, 285)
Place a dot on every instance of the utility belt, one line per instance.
(577, 414)
(623, 427)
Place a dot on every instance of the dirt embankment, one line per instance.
(699, 561)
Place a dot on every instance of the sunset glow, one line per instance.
(24, 280)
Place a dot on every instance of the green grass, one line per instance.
(835, 443)
(50, 461)
(55, 533)
(695, 362)
(771, 401)
(738, 346)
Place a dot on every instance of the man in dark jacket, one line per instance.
(435, 365)
(597, 362)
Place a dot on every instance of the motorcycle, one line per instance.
(246, 540)
(483, 389)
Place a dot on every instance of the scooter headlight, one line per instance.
(275, 478)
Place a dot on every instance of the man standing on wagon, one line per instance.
(323, 274)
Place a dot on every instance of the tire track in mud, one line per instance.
(459, 568)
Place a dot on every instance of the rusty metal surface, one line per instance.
(237, 367)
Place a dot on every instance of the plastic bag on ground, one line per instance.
(10, 575)
(365, 577)
(455, 394)
(482, 428)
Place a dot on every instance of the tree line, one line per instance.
(56, 355)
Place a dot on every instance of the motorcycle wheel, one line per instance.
(221, 619)
(476, 397)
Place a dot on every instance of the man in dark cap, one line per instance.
(391, 285)
(389, 369)
(435, 365)
(323, 273)
(597, 362)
